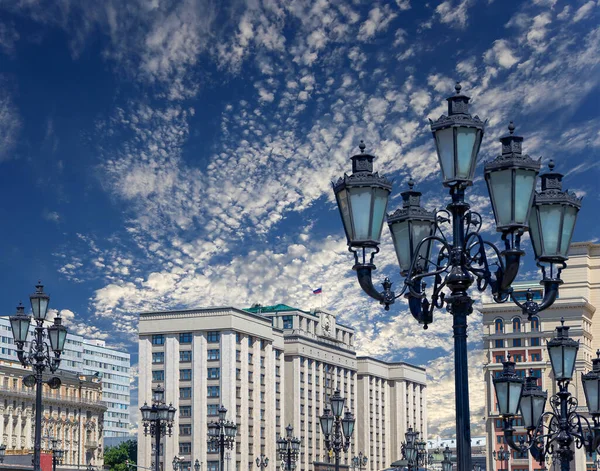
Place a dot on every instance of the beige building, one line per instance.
(73, 413)
(273, 365)
(506, 331)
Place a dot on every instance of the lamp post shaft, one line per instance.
(289, 461)
(157, 429)
(222, 453)
(337, 461)
(39, 369)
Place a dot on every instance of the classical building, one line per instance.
(270, 366)
(73, 413)
(506, 331)
(89, 357)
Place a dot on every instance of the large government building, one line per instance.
(271, 366)
(506, 331)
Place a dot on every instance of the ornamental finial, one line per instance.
(457, 87)
(511, 127)
(562, 321)
(551, 165)
(362, 146)
(598, 353)
(411, 183)
(508, 356)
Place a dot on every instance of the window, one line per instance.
(499, 343)
(213, 373)
(185, 337)
(238, 337)
(185, 356)
(250, 340)
(288, 322)
(185, 411)
(185, 393)
(516, 342)
(535, 341)
(535, 324)
(158, 357)
(277, 354)
(212, 409)
(498, 358)
(158, 375)
(517, 358)
(250, 357)
(238, 355)
(185, 429)
(536, 357)
(185, 448)
(158, 339)
(185, 375)
(213, 391)
(212, 465)
(213, 354)
(499, 326)
(213, 336)
(516, 322)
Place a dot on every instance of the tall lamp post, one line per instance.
(502, 455)
(2, 452)
(359, 461)
(39, 356)
(262, 462)
(222, 434)
(288, 448)
(57, 454)
(158, 420)
(551, 433)
(463, 257)
(447, 461)
(197, 465)
(337, 426)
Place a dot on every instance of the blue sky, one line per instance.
(159, 154)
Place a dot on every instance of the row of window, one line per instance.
(185, 356)
(186, 374)
(518, 357)
(533, 342)
(186, 337)
(516, 325)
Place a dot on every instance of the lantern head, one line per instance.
(533, 402)
(158, 394)
(19, 324)
(326, 422)
(511, 179)
(348, 424)
(57, 334)
(591, 386)
(409, 225)
(39, 303)
(457, 140)
(362, 200)
(508, 386)
(563, 352)
(552, 220)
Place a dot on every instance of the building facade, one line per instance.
(506, 331)
(83, 356)
(73, 414)
(273, 366)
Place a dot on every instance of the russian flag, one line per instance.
(317, 291)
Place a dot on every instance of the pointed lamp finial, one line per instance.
(362, 146)
(511, 127)
(411, 183)
(457, 87)
(551, 165)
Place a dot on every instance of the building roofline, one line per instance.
(392, 363)
(206, 309)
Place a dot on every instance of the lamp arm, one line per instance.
(364, 271)
(414, 277)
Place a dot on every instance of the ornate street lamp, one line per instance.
(38, 357)
(463, 257)
(222, 434)
(2, 452)
(288, 448)
(197, 465)
(337, 427)
(551, 433)
(414, 450)
(447, 461)
(502, 455)
(57, 454)
(262, 461)
(359, 461)
(177, 463)
(158, 420)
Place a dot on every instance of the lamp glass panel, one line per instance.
(514, 396)
(526, 407)
(20, 327)
(570, 355)
(534, 232)
(62, 338)
(53, 337)
(568, 227)
(420, 230)
(401, 244)
(524, 187)
(348, 426)
(465, 143)
(447, 466)
(590, 386)
(360, 200)
(379, 207)
(326, 423)
(163, 413)
(539, 404)
(337, 405)
(444, 139)
(501, 388)
(152, 415)
(342, 200)
(556, 361)
(501, 184)
(550, 216)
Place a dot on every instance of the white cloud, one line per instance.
(454, 14)
(583, 11)
(10, 125)
(378, 21)
(501, 54)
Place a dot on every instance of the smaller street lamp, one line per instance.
(288, 448)
(222, 434)
(158, 420)
(336, 427)
(359, 461)
(262, 461)
(502, 455)
(197, 465)
(177, 463)
(2, 452)
(447, 461)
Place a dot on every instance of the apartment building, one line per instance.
(506, 331)
(84, 356)
(73, 414)
(273, 365)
